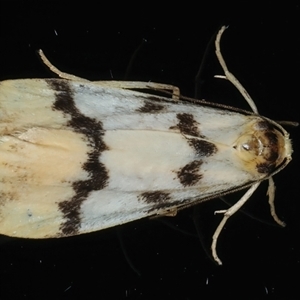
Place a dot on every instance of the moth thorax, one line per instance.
(261, 149)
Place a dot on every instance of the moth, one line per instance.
(79, 156)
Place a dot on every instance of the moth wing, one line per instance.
(77, 157)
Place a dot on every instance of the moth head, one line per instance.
(263, 147)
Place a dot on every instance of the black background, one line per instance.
(96, 41)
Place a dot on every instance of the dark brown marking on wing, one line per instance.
(158, 200)
(98, 174)
(150, 107)
(154, 197)
(203, 148)
(190, 174)
(187, 125)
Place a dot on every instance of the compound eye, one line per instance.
(248, 147)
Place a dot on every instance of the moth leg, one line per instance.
(141, 85)
(57, 71)
(271, 194)
(112, 83)
(227, 214)
(166, 213)
(170, 213)
(229, 76)
(288, 123)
